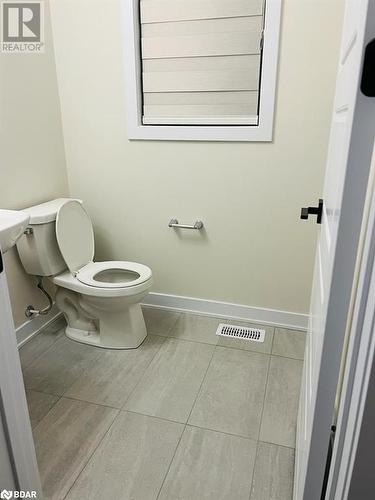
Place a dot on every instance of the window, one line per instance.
(201, 69)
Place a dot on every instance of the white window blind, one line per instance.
(201, 61)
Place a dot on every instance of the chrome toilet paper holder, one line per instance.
(197, 225)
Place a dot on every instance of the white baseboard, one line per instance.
(33, 326)
(284, 319)
(227, 310)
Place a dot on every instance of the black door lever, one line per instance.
(318, 211)
(368, 71)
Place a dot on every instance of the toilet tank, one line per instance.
(38, 248)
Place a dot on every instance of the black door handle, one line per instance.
(318, 211)
(368, 71)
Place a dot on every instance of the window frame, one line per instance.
(263, 132)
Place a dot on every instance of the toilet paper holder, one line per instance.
(197, 225)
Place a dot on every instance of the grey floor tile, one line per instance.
(199, 328)
(289, 343)
(281, 402)
(210, 465)
(171, 382)
(30, 351)
(232, 394)
(58, 368)
(249, 345)
(56, 325)
(273, 473)
(196, 328)
(39, 405)
(159, 322)
(163, 378)
(131, 462)
(64, 441)
(111, 379)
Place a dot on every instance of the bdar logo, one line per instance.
(17, 494)
(6, 494)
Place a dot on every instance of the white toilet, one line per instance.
(100, 300)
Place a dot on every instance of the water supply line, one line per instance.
(31, 311)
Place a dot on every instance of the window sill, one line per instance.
(200, 133)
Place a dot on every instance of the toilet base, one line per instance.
(93, 338)
(115, 323)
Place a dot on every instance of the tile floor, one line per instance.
(187, 416)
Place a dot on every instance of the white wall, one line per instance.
(32, 150)
(254, 251)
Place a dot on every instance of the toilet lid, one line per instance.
(75, 235)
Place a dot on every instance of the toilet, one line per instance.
(100, 300)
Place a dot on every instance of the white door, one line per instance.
(19, 468)
(348, 164)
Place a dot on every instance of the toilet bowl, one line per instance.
(100, 300)
(104, 313)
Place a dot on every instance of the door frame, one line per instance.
(13, 405)
(358, 364)
(358, 377)
(344, 266)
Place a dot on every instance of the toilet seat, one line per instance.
(68, 281)
(75, 238)
(115, 270)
